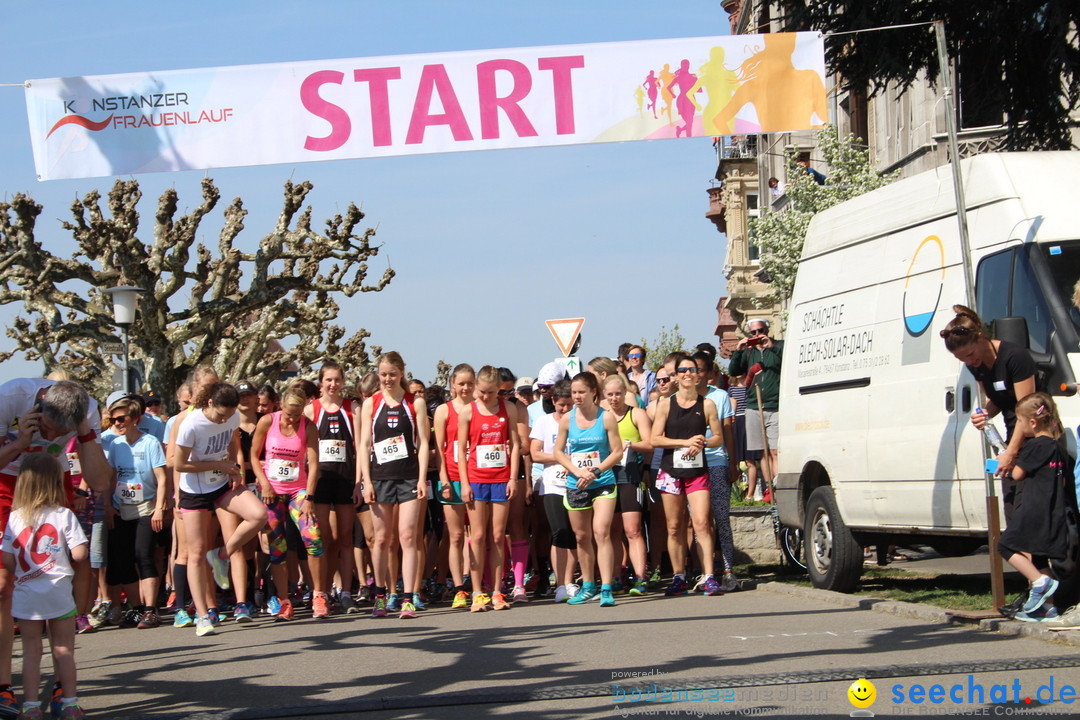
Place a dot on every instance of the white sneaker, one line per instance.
(572, 589)
(560, 594)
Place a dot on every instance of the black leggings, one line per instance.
(131, 552)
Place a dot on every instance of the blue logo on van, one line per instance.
(923, 285)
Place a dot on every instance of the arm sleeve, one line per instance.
(773, 357)
(155, 455)
(73, 532)
(738, 364)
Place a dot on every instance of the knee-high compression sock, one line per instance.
(519, 555)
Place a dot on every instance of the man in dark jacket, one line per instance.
(761, 354)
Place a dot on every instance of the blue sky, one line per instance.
(486, 245)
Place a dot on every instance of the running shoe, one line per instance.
(285, 613)
(182, 619)
(149, 620)
(588, 592)
(56, 702)
(499, 602)
(214, 615)
(677, 586)
(418, 601)
(31, 713)
(607, 598)
(131, 618)
(393, 602)
(481, 603)
(220, 566)
(616, 585)
(461, 600)
(711, 587)
(116, 614)
(438, 593)
(1040, 590)
(347, 605)
(72, 711)
(9, 706)
(82, 625)
(319, 610)
(639, 588)
(1014, 607)
(1068, 619)
(1043, 613)
(519, 594)
(242, 613)
(728, 583)
(273, 605)
(365, 594)
(654, 578)
(380, 607)
(204, 626)
(170, 604)
(560, 594)
(572, 589)
(407, 610)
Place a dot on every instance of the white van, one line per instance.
(875, 441)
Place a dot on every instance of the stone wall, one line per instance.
(755, 541)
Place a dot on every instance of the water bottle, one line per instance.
(992, 434)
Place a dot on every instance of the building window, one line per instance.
(753, 212)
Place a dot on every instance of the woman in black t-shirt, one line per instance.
(1006, 373)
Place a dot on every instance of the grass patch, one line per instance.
(951, 592)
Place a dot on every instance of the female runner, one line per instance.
(488, 425)
(679, 429)
(288, 474)
(635, 432)
(332, 415)
(210, 478)
(392, 475)
(462, 385)
(588, 447)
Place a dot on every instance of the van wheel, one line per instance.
(833, 557)
(791, 545)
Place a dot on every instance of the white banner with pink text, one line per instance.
(412, 104)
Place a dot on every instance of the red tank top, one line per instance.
(449, 451)
(489, 449)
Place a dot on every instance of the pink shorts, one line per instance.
(681, 486)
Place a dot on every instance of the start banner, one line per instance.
(412, 104)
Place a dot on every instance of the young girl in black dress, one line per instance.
(1039, 531)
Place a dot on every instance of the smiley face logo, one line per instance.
(862, 693)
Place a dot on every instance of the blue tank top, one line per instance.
(589, 445)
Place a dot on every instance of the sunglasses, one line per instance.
(692, 371)
(506, 393)
(663, 380)
(959, 331)
(635, 356)
(120, 418)
(544, 387)
(758, 331)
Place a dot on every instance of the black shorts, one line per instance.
(334, 488)
(358, 539)
(583, 499)
(395, 492)
(631, 498)
(202, 501)
(562, 535)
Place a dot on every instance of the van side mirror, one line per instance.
(1012, 329)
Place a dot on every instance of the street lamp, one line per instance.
(124, 300)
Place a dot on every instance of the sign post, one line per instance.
(566, 333)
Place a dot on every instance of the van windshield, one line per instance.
(1063, 259)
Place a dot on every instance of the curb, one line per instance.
(925, 613)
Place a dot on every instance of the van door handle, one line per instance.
(965, 399)
(950, 401)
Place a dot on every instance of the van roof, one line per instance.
(1045, 182)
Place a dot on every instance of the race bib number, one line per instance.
(332, 451)
(129, 492)
(391, 449)
(681, 459)
(586, 460)
(455, 451)
(284, 470)
(74, 463)
(556, 475)
(490, 456)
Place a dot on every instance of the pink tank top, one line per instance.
(285, 458)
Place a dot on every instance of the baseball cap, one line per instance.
(551, 373)
(525, 383)
(244, 387)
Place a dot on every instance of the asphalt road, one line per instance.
(757, 652)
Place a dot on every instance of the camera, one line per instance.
(755, 341)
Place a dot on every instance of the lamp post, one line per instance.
(124, 300)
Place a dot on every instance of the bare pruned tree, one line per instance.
(235, 305)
